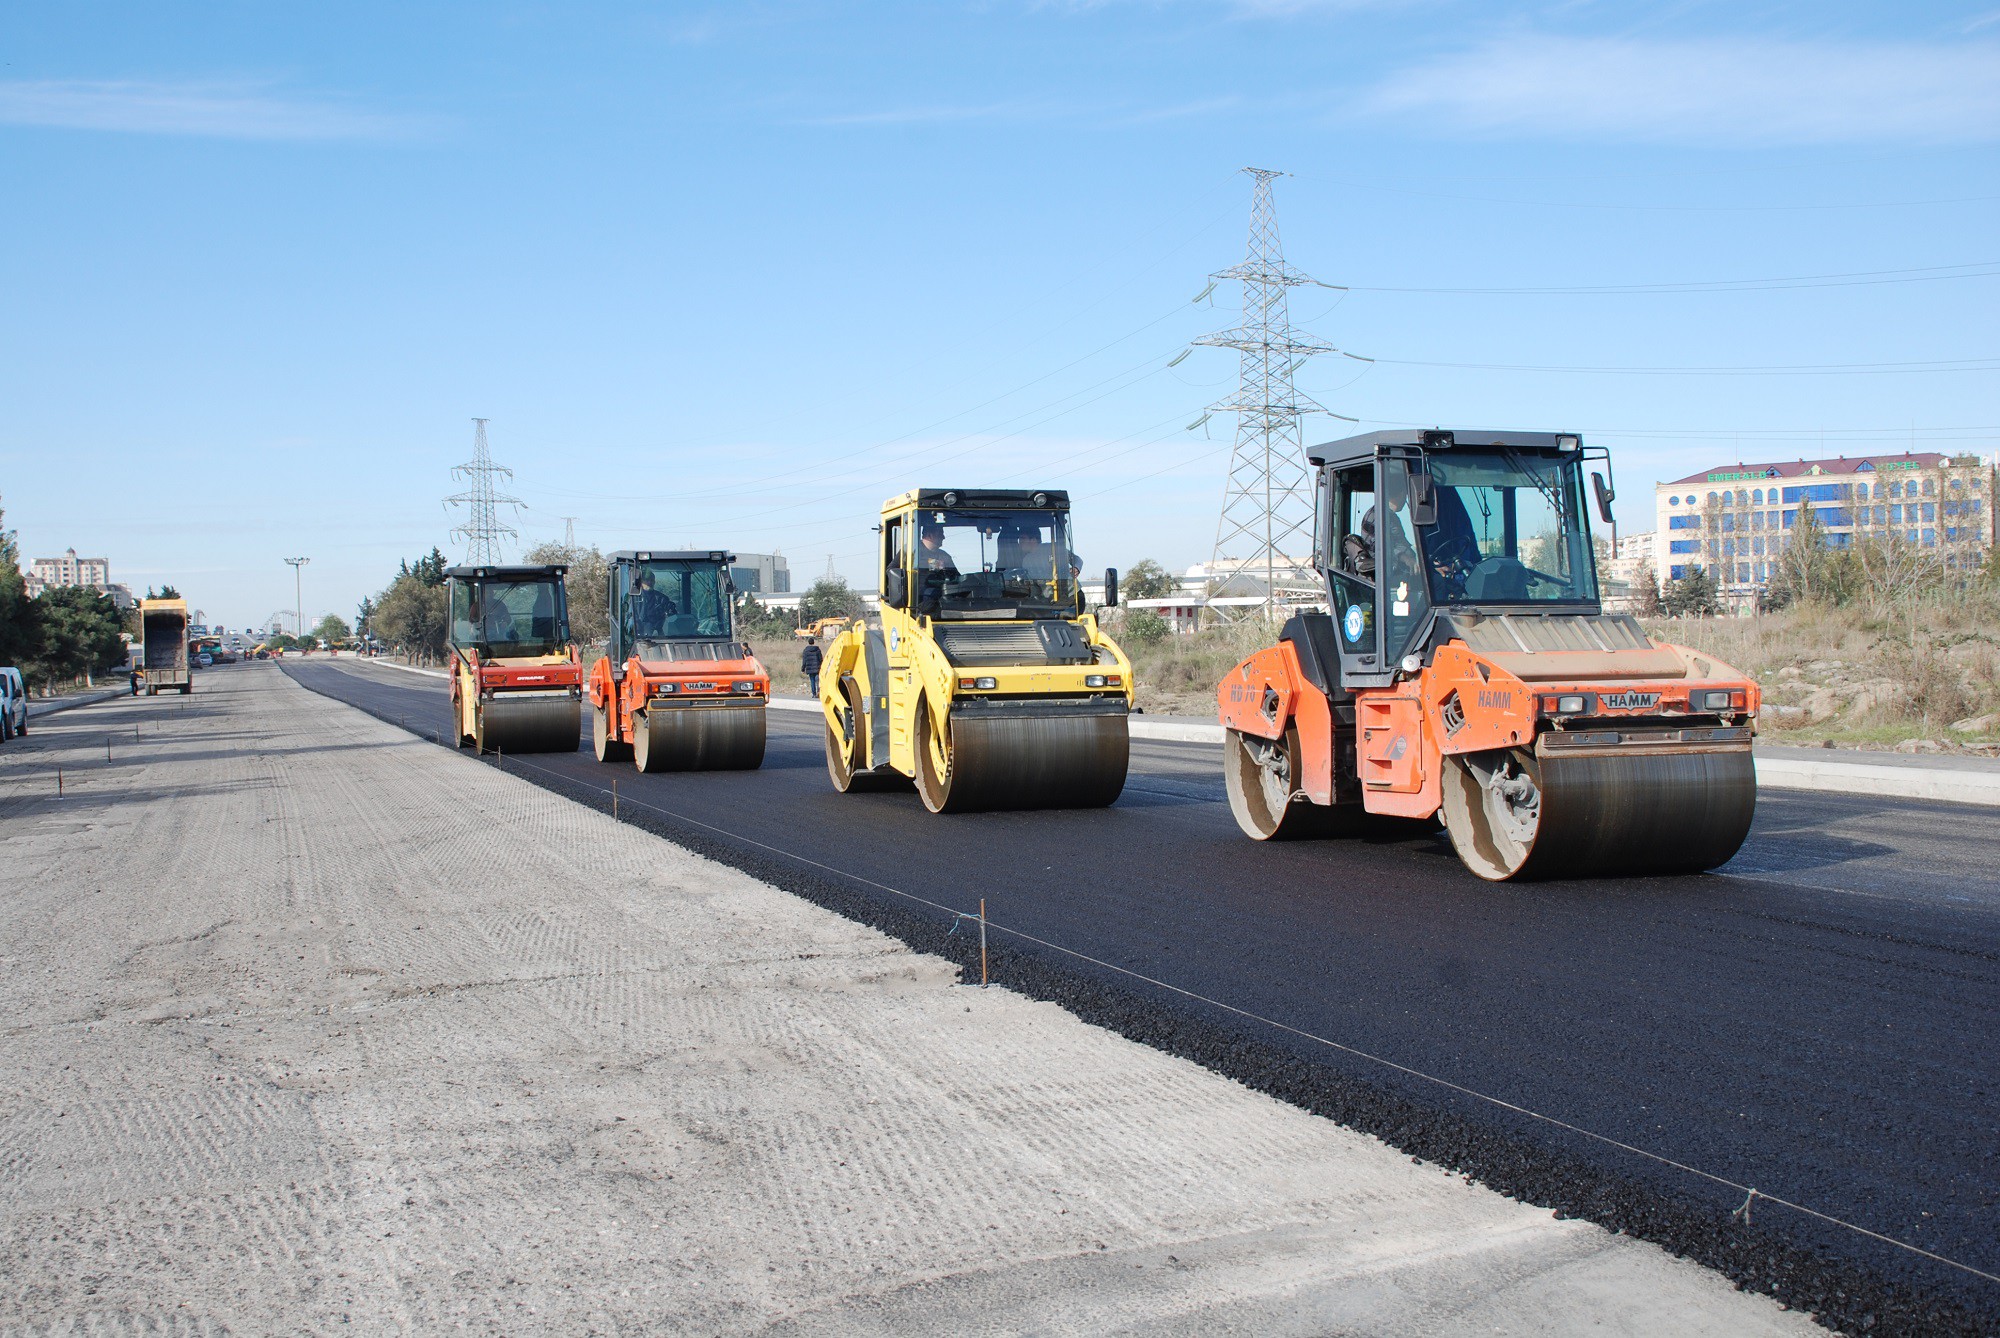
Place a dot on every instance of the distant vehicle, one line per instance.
(204, 660)
(164, 631)
(13, 703)
(263, 654)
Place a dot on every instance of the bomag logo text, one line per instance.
(1498, 701)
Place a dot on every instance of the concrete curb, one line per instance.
(406, 668)
(38, 709)
(1958, 786)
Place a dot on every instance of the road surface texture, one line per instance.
(312, 1026)
(1816, 1022)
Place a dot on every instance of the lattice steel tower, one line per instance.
(1265, 532)
(482, 529)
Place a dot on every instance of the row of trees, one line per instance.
(64, 635)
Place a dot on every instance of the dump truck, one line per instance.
(516, 680)
(676, 690)
(983, 678)
(163, 660)
(1464, 667)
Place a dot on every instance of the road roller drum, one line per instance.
(708, 738)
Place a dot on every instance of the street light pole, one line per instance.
(298, 592)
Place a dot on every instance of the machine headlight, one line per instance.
(1571, 705)
(1094, 680)
(985, 684)
(666, 687)
(741, 687)
(1712, 700)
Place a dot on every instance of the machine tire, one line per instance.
(607, 748)
(1513, 815)
(1263, 813)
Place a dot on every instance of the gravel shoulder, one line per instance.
(311, 1025)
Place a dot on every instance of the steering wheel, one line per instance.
(1452, 557)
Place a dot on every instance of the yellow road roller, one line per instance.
(516, 681)
(984, 679)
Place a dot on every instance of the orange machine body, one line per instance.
(1466, 702)
(682, 684)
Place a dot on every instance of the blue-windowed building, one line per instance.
(1737, 520)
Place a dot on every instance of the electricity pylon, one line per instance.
(482, 529)
(1265, 530)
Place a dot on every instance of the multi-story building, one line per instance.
(1625, 570)
(1736, 520)
(68, 570)
(762, 573)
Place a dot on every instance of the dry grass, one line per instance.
(1869, 676)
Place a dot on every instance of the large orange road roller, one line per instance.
(676, 691)
(1466, 667)
(516, 681)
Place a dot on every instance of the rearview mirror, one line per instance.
(1423, 500)
(896, 588)
(1605, 496)
(1110, 587)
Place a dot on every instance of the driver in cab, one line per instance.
(930, 550)
(650, 608)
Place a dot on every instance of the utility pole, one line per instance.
(482, 530)
(298, 591)
(1267, 500)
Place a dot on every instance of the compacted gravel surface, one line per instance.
(1815, 1021)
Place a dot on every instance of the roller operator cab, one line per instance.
(516, 682)
(983, 678)
(1466, 668)
(676, 691)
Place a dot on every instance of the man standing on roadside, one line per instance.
(809, 663)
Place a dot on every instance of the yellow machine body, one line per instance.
(989, 685)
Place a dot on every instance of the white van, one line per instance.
(13, 703)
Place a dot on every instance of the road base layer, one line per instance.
(314, 1025)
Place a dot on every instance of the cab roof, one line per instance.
(1438, 439)
(506, 573)
(163, 605)
(980, 499)
(717, 555)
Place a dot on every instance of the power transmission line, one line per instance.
(482, 530)
(1265, 529)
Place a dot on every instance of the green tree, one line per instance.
(585, 587)
(1147, 579)
(333, 629)
(1143, 627)
(755, 619)
(830, 597)
(363, 616)
(413, 617)
(20, 629)
(165, 592)
(79, 635)
(1692, 596)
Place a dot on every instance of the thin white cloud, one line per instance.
(1103, 115)
(219, 111)
(1728, 91)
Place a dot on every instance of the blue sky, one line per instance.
(732, 273)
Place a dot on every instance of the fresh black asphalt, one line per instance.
(1817, 1021)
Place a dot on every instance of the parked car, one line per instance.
(13, 703)
(204, 659)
